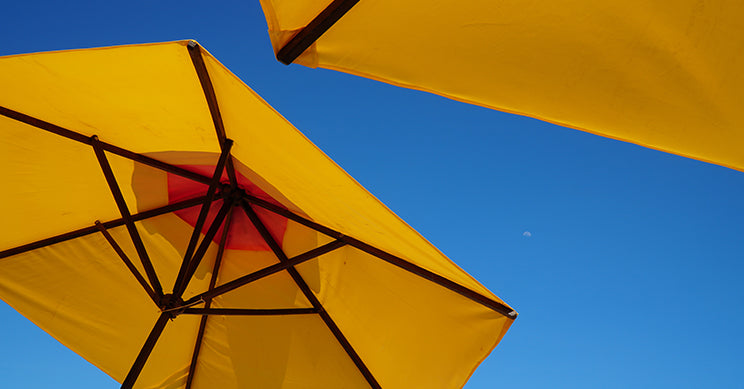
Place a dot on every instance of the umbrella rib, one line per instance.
(78, 137)
(195, 52)
(109, 224)
(124, 210)
(249, 312)
(128, 263)
(387, 257)
(265, 272)
(211, 232)
(208, 301)
(144, 353)
(215, 182)
(317, 27)
(340, 337)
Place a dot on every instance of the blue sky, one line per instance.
(623, 262)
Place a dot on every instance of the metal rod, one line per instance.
(340, 337)
(267, 271)
(433, 277)
(124, 210)
(206, 84)
(109, 224)
(144, 353)
(197, 348)
(317, 27)
(292, 216)
(249, 312)
(78, 137)
(194, 263)
(128, 263)
(387, 257)
(166, 167)
(213, 185)
(197, 59)
(208, 302)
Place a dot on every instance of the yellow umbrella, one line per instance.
(165, 223)
(659, 73)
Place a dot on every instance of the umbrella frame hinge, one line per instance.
(175, 306)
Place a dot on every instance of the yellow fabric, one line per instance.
(148, 99)
(663, 74)
(291, 164)
(81, 293)
(394, 299)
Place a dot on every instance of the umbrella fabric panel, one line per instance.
(282, 157)
(80, 292)
(292, 15)
(662, 74)
(215, 367)
(273, 292)
(439, 336)
(143, 98)
(294, 351)
(53, 185)
(168, 365)
(167, 237)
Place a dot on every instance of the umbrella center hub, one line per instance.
(232, 194)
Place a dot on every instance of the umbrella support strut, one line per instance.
(204, 246)
(267, 271)
(387, 257)
(248, 312)
(144, 353)
(215, 182)
(155, 298)
(124, 210)
(266, 235)
(109, 224)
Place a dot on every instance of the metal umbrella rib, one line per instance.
(266, 235)
(317, 27)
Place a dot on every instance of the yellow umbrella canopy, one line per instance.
(659, 73)
(164, 222)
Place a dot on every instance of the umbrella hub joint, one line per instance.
(172, 304)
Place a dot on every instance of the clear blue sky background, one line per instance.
(631, 275)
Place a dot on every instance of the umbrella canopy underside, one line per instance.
(165, 223)
(662, 74)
